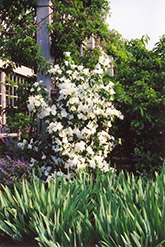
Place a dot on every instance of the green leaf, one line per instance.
(136, 238)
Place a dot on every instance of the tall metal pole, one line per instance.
(43, 37)
(43, 40)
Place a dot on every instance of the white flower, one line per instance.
(37, 100)
(111, 91)
(53, 110)
(80, 147)
(75, 75)
(86, 71)
(31, 141)
(24, 142)
(62, 133)
(80, 67)
(78, 133)
(20, 145)
(98, 69)
(69, 131)
(67, 54)
(99, 161)
(36, 84)
(62, 78)
(46, 173)
(73, 108)
(120, 142)
(44, 112)
(43, 157)
(59, 71)
(67, 88)
(69, 72)
(103, 137)
(32, 160)
(92, 164)
(101, 59)
(99, 111)
(66, 63)
(65, 140)
(29, 146)
(73, 66)
(54, 126)
(31, 107)
(73, 100)
(90, 150)
(76, 161)
(35, 149)
(82, 116)
(54, 69)
(64, 113)
(109, 124)
(98, 66)
(82, 164)
(105, 167)
(48, 168)
(83, 108)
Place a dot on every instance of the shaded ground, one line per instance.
(6, 243)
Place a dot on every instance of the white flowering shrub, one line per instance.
(78, 124)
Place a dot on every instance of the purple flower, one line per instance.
(4, 172)
(11, 170)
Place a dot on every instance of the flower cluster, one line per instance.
(12, 170)
(38, 102)
(79, 122)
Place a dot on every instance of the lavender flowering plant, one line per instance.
(12, 170)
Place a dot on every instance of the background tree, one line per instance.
(17, 28)
(73, 22)
(139, 82)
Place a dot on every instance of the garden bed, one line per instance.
(91, 211)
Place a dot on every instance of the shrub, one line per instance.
(139, 86)
(78, 124)
(12, 170)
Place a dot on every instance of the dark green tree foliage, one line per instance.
(139, 82)
(17, 33)
(75, 21)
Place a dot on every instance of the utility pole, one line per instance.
(43, 37)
